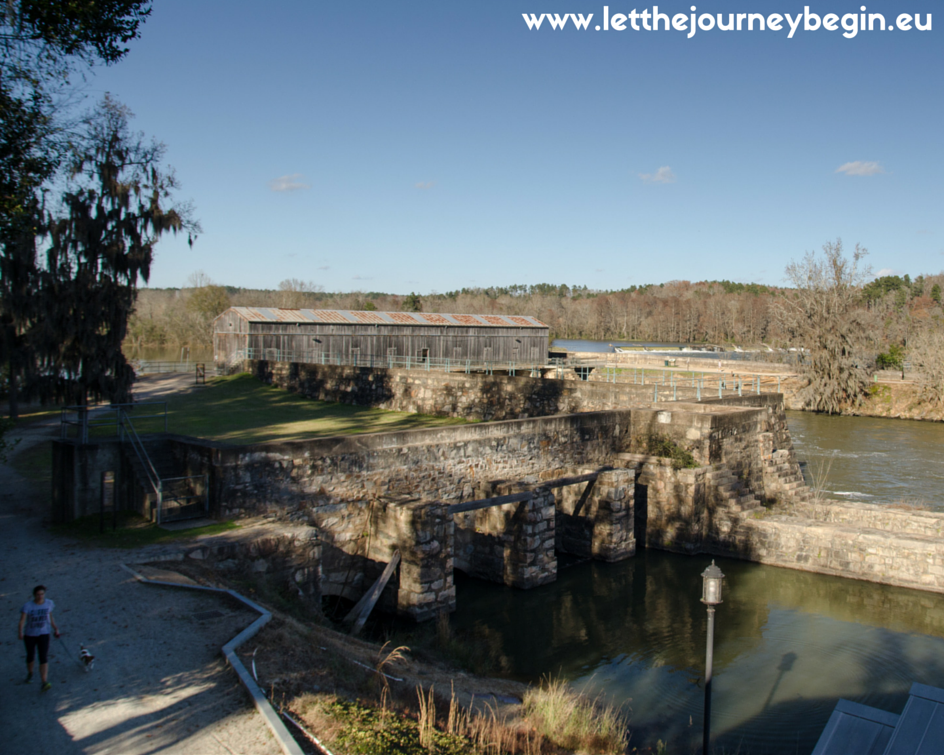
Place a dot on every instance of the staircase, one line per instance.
(783, 477)
(170, 495)
(856, 729)
(729, 496)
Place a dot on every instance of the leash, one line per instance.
(68, 652)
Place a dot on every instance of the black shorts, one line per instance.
(41, 642)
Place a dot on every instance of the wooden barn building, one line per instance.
(311, 335)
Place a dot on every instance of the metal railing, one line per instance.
(408, 362)
(665, 383)
(84, 418)
(126, 430)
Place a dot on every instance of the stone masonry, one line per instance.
(595, 519)
(512, 544)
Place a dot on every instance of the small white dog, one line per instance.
(86, 657)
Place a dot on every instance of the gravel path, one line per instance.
(159, 683)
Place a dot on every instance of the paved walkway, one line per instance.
(159, 683)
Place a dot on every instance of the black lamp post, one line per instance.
(710, 596)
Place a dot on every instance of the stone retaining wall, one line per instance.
(455, 394)
(445, 464)
(845, 550)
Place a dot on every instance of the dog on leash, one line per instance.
(86, 657)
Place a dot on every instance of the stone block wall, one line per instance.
(360, 539)
(287, 556)
(512, 544)
(77, 477)
(595, 519)
(677, 505)
(844, 550)
(445, 464)
(423, 532)
(455, 394)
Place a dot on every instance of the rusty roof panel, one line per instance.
(346, 317)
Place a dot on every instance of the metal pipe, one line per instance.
(709, 661)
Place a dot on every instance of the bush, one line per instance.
(666, 448)
(893, 359)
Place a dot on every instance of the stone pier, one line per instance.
(595, 519)
(512, 544)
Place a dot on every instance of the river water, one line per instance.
(788, 644)
(872, 459)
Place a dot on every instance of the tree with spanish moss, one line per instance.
(99, 242)
(822, 314)
(43, 43)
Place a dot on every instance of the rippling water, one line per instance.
(871, 459)
(788, 645)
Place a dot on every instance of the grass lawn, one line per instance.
(241, 409)
(133, 531)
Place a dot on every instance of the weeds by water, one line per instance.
(572, 721)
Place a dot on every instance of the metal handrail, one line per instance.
(126, 427)
(86, 416)
(614, 372)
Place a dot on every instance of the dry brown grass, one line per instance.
(574, 722)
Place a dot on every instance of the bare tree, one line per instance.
(296, 293)
(823, 316)
(926, 351)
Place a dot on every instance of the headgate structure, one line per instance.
(501, 499)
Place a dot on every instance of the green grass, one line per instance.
(573, 722)
(133, 531)
(241, 409)
(364, 730)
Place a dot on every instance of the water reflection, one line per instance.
(788, 645)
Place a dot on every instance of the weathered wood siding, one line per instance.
(499, 344)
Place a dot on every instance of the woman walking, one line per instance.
(35, 623)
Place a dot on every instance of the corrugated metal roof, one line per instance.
(348, 317)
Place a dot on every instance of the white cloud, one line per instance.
(886, 271)
(291, 182)
(325, 267)
(860, 168)
(363, 278)
(662, 176)
(426, 185)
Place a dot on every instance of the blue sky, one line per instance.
(428, 146)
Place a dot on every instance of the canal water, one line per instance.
(788, 644)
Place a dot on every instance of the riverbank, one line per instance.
(891, 396)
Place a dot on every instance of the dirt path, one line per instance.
(159, 683)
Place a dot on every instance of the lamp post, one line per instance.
(710, 596)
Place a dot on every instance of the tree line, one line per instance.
(890, 310)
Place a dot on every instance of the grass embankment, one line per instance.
(242, 409)
(363, 700)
